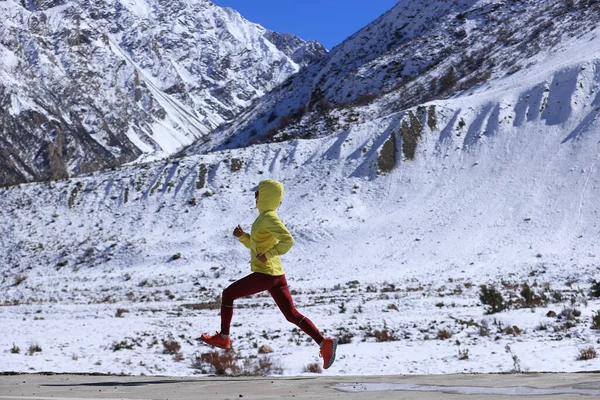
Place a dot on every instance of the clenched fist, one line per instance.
(238, 231)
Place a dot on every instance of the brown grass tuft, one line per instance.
(220, 363)
(229, 362)
(345, 338)
(513, 330)
(34, 348)
(587, 353)
(120, 312)
(313, 368)
(171, 347)
(444, 334)
(384, 335)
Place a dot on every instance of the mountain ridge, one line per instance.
(83, 82)
(414, 53)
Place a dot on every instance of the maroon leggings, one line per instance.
(278, 288)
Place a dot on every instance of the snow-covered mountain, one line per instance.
(398, 217)
(416, 52)
(89, 85)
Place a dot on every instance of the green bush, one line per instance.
(493, 299)
(595, 289)
(596, 320)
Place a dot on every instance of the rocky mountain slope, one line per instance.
(416, 52)
(89, 85)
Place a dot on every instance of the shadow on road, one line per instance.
(101, 384)
(168, 381)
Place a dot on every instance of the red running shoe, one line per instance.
(216, 340)
(328, 352)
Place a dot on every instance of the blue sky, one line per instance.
(327, 21)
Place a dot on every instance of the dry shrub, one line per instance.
(444, 334)
(171, 347)
(122, 345)
(120, 312)
(530, 299)
(512, 330)
(106, 299)
(384, 335)
(371, 289)
(468, 323)
(313, 368)
(228, 362)
(390, 287)
(261, 366)
(345, 338)
(587, 353)
(219, 363)
(463, 354)
(34, 348)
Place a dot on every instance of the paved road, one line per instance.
(413, 387)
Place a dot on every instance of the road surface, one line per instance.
(398, 387)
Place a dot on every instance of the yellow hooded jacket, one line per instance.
(268, 235)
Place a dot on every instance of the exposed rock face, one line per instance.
(301, 52)
(88, 85)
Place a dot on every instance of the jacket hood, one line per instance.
(270, 194)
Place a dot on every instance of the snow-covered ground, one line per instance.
(503, 191)
(404, 253)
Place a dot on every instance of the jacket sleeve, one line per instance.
(245, 239)
(285, 240)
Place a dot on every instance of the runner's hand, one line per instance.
(262, 258)
(238, 231)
